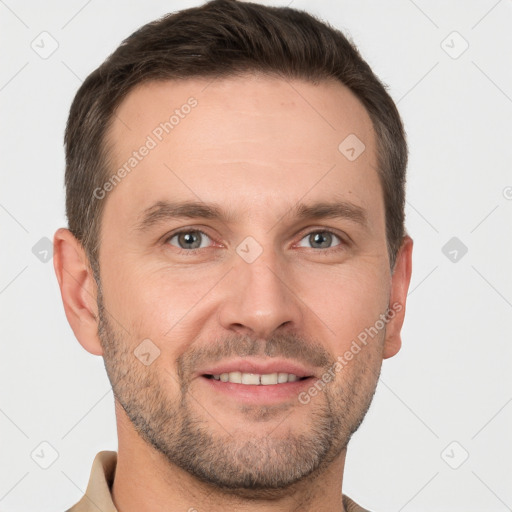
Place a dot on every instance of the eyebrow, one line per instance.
(168, 210)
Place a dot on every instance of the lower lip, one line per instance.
(260, 394)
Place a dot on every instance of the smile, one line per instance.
(256, 379)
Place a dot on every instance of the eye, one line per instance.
(320, 239)
(189, 239)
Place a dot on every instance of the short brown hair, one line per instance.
(224, 38)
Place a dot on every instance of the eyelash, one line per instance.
(341, 246)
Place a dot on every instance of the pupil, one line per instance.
(190, 239)
(319, 237)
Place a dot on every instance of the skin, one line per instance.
(257, 146)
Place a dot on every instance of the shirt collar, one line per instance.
(98, 495)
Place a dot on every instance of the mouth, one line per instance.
(256, 379)
(256, 388)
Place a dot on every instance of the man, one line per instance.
(237, 254)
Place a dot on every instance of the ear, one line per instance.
(399, 286)
(78, 289)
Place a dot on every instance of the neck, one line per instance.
(145, 481)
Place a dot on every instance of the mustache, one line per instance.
(289, 346)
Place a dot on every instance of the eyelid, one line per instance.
(188, 229)
(344, 239)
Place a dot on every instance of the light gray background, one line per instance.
(452, 379)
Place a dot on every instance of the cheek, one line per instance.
(348, 301)
(160, 303)
(172, 302)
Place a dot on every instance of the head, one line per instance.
(235, 181)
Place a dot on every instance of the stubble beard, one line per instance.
(236, 461)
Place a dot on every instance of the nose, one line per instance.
(260, 298)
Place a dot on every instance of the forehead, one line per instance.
(259, 142)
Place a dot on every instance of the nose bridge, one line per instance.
(260, 296)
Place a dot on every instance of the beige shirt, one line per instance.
(98, 497)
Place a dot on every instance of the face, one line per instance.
(270, 277)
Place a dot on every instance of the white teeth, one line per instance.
(234, 377)
(282, 377)
(254, 379)
(250, 378)
(269, 378)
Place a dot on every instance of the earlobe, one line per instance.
(400, 281)
(78, 289)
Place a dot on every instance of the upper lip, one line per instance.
(248, 365)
